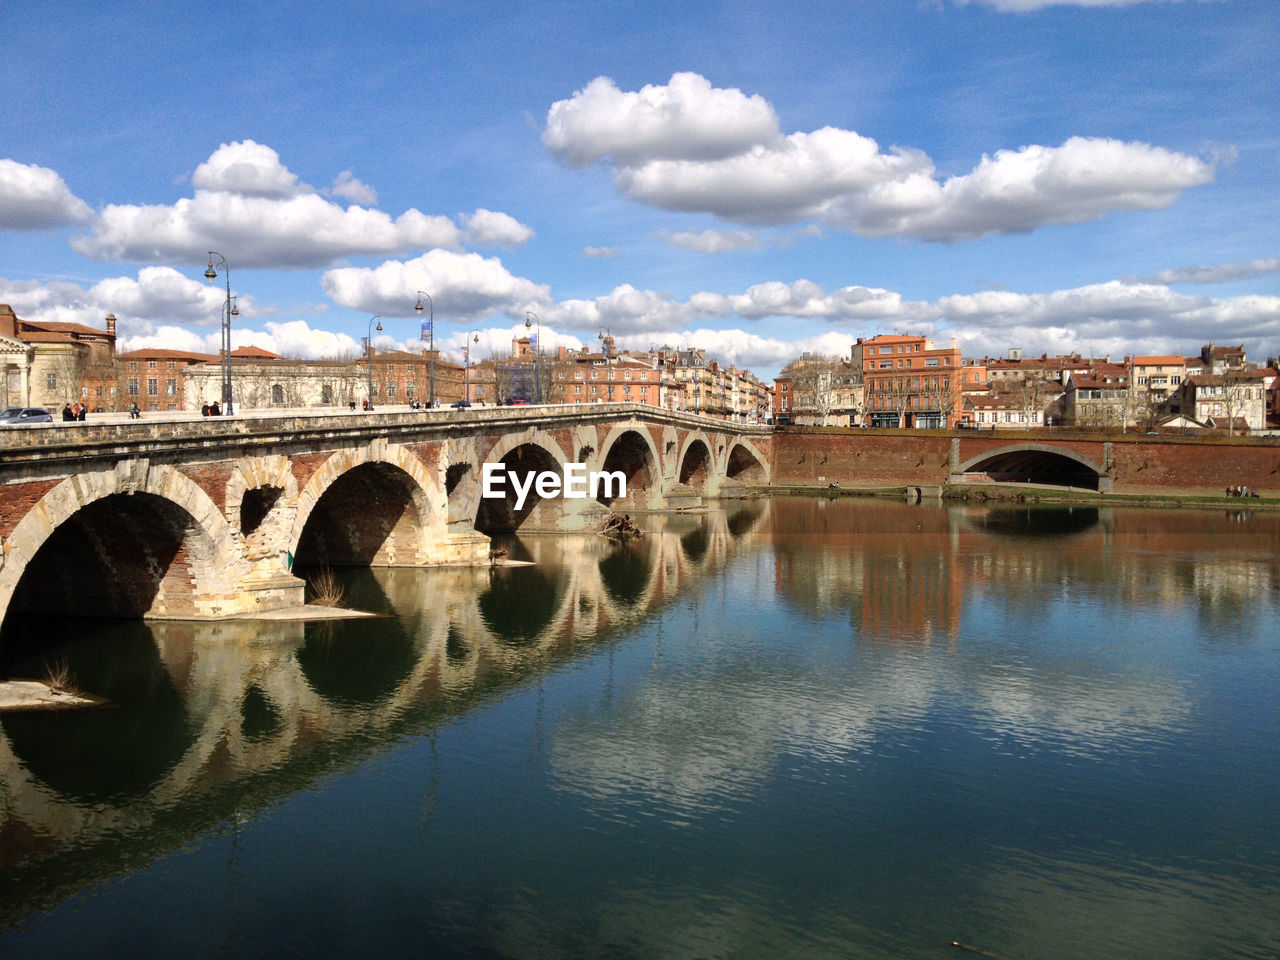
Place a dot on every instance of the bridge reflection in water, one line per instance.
(219, 719)
(795, 728)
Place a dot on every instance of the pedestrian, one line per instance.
(82, 413)
(67, 415)
(134, 412)
(214, 409)
(204, 409)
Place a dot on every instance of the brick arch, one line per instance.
(692, 437)
(469, 497)
(655, 488)
(1036, 455)
(426, 497)
(212, 554)
(736, 443)
(531, 437)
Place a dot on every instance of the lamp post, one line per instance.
(531, 318)
(368, 353)
(431, 348)
(473, 336)
(606, 342)
(228, 311)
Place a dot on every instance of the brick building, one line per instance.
(911, 383)
(49, 364)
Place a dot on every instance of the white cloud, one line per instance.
(464, 287)
(603, 253)
(346, 185)
(158, 296)
(300, 231)
(1216, 273)
(623, 310)
(713, 241)
(676, 158)
(36, 198)
(687, 119)
(251, 206)
(489, 228)
(248, 168)
(293, 338)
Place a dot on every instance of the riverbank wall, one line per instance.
(1157, 466)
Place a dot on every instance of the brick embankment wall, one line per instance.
(1203, 467)
(859, 460)
(1141, 465)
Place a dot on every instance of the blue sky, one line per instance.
(757, 178)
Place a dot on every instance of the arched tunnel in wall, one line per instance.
(126, 555)
(631, 456)
(499, 515)
(696, 465)
(745, 467)
(1035, 466)
(369, 516)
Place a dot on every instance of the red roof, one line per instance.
(159, 353)
(254, 353)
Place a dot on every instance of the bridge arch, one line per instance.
(745, 463)
(141, 540)
(544, 452)
(398, 501)
(1035, 463)
(630, 449)
(696, 464)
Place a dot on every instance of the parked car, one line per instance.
(17, 416)
(520, 403)
(460, 404)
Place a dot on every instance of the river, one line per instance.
(780, 728)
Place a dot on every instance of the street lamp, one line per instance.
(531, 318)
(431, 334)
(606, 341)
(473, 336)
(368, 353)
(228, 311)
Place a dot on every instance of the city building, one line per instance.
(153, 377)
(49, 364)
(819, 391)
(910, 383)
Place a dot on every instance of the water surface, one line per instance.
(789, 728)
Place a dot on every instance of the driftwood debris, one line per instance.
(498, 554)
(620, 527)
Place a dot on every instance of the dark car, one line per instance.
(17, 416)
(460, 404)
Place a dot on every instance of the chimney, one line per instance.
(111, 324)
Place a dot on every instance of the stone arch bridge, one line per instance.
(208, 518)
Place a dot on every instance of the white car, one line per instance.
(17, 416)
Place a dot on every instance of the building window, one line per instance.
(326, 394)
(277, 394)
(391, 389)
(51, 381)
(151, 364)
(153, 388)
(133, 388)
